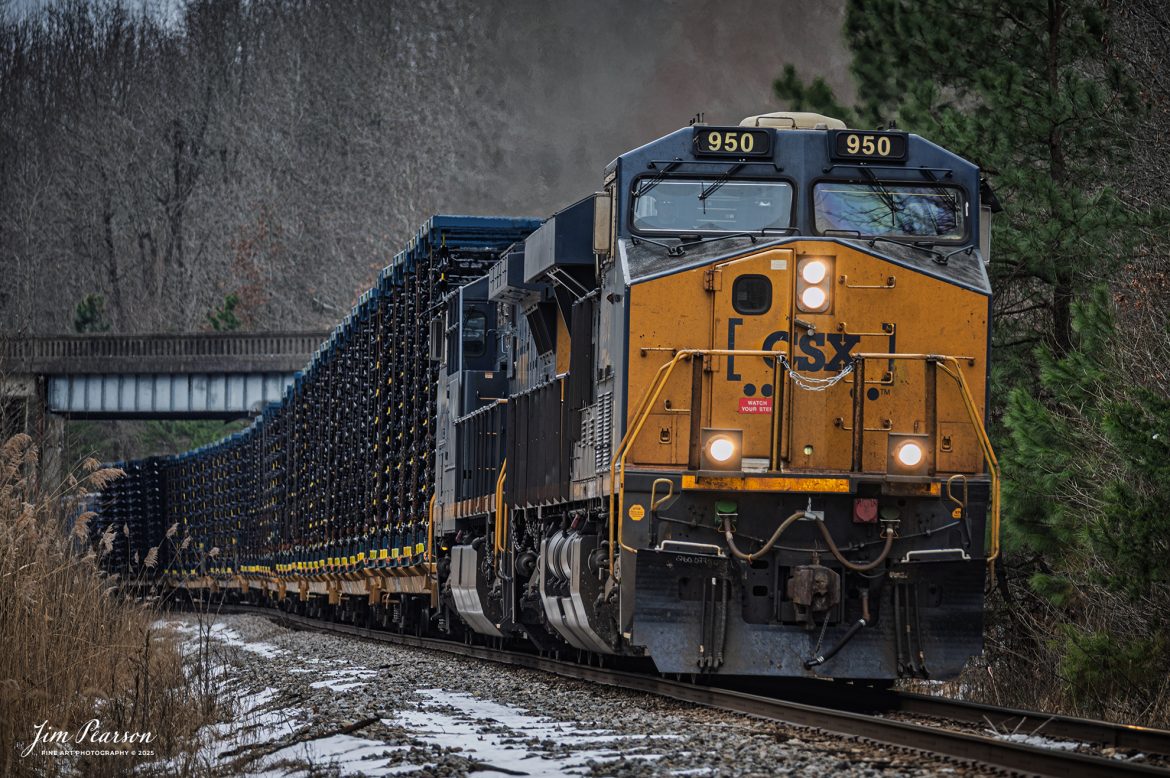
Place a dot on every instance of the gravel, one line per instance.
(308, 703)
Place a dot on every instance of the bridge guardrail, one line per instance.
(219, 352)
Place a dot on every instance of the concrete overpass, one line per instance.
(229, 375)
(206, 375)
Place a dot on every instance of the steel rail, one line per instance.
(1123, 736)
(936, 740)
(999, 718)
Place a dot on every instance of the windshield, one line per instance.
(890, 209)
(713, 205)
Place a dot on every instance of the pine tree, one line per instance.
(1028, 91)
(1090, 458)
(90, 314)
(224, 318)
(1032, 93)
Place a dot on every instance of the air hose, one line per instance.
(857, 568)
(767, 546)
(832, 652)
(862, 568)
(854, 628)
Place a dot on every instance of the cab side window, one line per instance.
(474, 334)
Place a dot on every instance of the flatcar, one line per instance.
(727, 413)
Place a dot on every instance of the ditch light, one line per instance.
(721, 449)
(909, 455)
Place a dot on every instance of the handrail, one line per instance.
(162, 344)
(950, 365)
(501, 509)
(431, 529)
(649, 398)
(617, 487)
(988, 454)
(107, 353)
(656, 501)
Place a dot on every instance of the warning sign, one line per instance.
(755, 404)
(637, 512)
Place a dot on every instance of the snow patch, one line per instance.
(347, 753)
(228, 636)
(496, 734)
(221, 633)
(343, 680)
(1039, 742)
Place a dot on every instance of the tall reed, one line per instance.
(74, 646)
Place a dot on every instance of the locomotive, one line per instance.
(727, 413)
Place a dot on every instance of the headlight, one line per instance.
(813, 298)
(721, 449)
(813, 284)
(814, 271)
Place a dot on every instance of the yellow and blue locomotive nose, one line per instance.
(782, 330)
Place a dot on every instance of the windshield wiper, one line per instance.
(754, 235)
(681, 248)
(720, 181)
(939, 257)
(885, 195)
(650, 183)
(671, 251)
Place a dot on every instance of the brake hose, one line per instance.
(857, 568)
(767, 546)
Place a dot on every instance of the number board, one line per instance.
(848, 144)
(732, 142)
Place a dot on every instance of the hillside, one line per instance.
(262, 160)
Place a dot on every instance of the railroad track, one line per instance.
(1001, 719)
(841, 715)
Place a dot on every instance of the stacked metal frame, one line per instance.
(130, 512)
(336, 478)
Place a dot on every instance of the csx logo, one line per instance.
(812, 352)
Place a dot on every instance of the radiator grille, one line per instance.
(603, 431)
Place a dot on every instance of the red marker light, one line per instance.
(865, 510)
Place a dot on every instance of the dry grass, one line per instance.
(74, 646)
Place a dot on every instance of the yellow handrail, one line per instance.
(501, 511)
(988, 454)
(946, 363)
(648, 399)
(431, 529)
